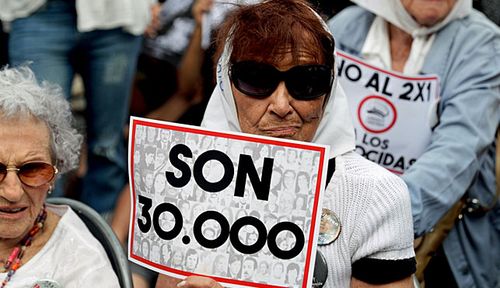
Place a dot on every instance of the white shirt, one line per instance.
(72, 257)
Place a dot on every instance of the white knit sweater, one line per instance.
(373, 206)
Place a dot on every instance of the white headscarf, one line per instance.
(376, 49)
(335, 128)
(394, 12)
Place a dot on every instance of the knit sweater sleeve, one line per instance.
(381, 242)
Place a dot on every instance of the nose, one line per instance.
(281, 99)
(11, 188)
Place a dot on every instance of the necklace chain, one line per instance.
(14, 261)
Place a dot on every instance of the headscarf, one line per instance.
(335, 128)
(376, 49)
(394, 12)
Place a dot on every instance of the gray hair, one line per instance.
(22, 96)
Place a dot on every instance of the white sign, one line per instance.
(392, 113)
(239, 208)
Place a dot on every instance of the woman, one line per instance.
(308, 105)
(36, 143)
(450, 39)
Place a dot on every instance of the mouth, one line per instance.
(282, 132)
(11, 210)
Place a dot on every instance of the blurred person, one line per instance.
(100, 41)
(280, 82)
(450, 39)
(38, 143)
(170, 76)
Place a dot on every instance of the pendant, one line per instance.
(320, 270)
(329, 228)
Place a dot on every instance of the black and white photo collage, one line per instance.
(291, 198)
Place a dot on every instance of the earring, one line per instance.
(50, 190)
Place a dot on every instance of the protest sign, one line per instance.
(393, 114)
(242, 209)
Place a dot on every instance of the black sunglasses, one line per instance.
(33, 174)
(259, 80)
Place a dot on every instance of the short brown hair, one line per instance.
(260, 32)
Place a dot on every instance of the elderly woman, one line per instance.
(41, 244)
(450, 39)
(276, 78)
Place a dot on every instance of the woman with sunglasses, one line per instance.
(41, 245)
(276, 78)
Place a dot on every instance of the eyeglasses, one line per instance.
(33, 174)
(259, 80)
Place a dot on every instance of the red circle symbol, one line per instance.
(376, 114)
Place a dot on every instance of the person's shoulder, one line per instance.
(477, 20)
(349, 27)
(71, 229)
(356, 165)
(372, 178)
(351, 16)
(475, 31)
(73, 245)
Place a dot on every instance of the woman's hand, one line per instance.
(198, 282)
(165, 281)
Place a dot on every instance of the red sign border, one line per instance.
(244, 137)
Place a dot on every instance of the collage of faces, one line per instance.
(290, 199)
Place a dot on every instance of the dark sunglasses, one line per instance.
(259, 80)
(33, 174)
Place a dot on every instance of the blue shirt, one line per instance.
(461, 156)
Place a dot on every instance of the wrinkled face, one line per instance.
(280, 115)
(21, 141)
(428, 12)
